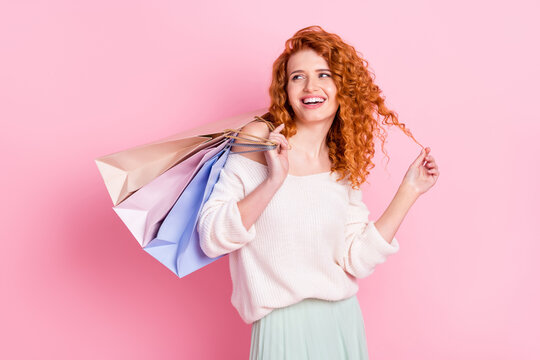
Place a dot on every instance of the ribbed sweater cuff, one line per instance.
(225, 232)
(379, 243)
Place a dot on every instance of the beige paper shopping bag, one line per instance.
(126, 171)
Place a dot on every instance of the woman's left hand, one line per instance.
(421, 177)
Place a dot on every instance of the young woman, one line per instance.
(292, 219)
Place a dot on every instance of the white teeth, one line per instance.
(313, 100)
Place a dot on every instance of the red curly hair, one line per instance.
(350, 138)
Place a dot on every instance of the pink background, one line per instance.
(83, 79)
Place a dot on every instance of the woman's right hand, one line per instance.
(277, 159)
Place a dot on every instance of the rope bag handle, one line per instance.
(261, 144)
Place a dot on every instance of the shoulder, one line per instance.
(256, 128)
(355, 195)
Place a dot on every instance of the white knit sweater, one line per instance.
(312, 240)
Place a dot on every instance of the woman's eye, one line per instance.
(295, 76)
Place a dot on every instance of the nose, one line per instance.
(310, 84)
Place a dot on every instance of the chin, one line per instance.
(317, 116)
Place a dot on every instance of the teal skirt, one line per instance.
(311, 329)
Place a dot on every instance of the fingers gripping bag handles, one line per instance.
(176, 244)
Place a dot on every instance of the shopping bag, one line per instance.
(126, 171)
(145, 209)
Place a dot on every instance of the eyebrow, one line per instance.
(303, 70)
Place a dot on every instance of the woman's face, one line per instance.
(309, 78)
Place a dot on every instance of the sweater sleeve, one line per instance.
(219, 224)
(365, 247)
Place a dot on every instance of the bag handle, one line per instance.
(262, 145)
(258, 146)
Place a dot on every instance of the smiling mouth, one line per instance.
(313, 102)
